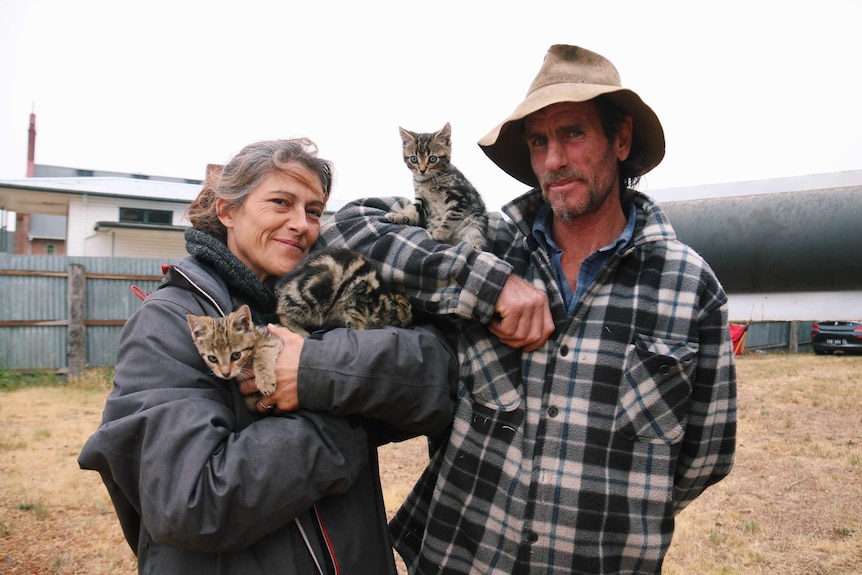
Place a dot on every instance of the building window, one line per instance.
(143, 216)
(50, 249)
(85, 173)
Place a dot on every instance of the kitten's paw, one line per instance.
(397, 218)
(408, 216)
(442, 235)
(475, 238)
(267, 389)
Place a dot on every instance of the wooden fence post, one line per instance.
(76, 291)
(793, 344)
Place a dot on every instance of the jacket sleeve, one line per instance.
(401, 378)
(439, 279)
(710, 437)
(179, 451)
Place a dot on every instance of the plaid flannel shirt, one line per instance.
(576, 457)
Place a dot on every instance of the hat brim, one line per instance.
(506, 147)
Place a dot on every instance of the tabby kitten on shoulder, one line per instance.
(336, 287)
(447, 204)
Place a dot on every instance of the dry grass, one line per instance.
(793, 504)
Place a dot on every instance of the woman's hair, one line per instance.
(244, 172)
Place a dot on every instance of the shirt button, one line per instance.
(533, 537)
(553, 412)
(564, 350)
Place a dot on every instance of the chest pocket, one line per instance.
(655, 390)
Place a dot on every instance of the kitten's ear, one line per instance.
(198, 323)
(242, 318)
(445, 132)
(406, 135)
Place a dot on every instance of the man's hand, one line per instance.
(524, 315)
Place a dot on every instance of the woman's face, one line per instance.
(276, 225)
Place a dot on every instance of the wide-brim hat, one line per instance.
(573, 74)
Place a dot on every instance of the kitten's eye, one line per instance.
(235, 356)
(212, 359)
(432, 159)
(414, 160)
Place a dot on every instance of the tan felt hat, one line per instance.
(573, 74)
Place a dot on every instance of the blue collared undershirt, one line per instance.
(590, 268)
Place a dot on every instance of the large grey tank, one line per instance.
(779, 242)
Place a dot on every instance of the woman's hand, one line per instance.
(524, 315)
(285, 397)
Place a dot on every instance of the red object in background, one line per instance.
(737, 335)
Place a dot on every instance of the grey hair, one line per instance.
(244, 172)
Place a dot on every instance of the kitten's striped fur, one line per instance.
(447, 204)
(336, 287)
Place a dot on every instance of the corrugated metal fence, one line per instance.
(779, 336)
(39, 310)
(41, 322)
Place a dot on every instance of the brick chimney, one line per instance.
(31, 147)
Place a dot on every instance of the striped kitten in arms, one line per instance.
(336, 287)
(447, 204)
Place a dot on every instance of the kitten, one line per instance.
(336, 287)
(447, 204)
(228, 344)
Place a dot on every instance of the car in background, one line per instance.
(836, 336)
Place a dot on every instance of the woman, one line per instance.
(201, 484)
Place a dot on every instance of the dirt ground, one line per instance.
(791, 506)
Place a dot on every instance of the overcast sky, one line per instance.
(745, 89)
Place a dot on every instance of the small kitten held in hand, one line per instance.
(447, 204)
(228, 344)
(336, 287)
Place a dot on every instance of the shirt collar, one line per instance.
(543, 226)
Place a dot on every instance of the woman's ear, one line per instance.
(225, 215)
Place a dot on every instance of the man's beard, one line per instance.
(597, 190)
(561, 203)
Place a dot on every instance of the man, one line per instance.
(571, 453)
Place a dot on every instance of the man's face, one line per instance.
(576, 165)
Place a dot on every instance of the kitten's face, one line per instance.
(225, 344)
(425, 153)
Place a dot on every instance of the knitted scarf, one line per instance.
(244, 286)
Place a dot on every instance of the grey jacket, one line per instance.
(203, 486)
